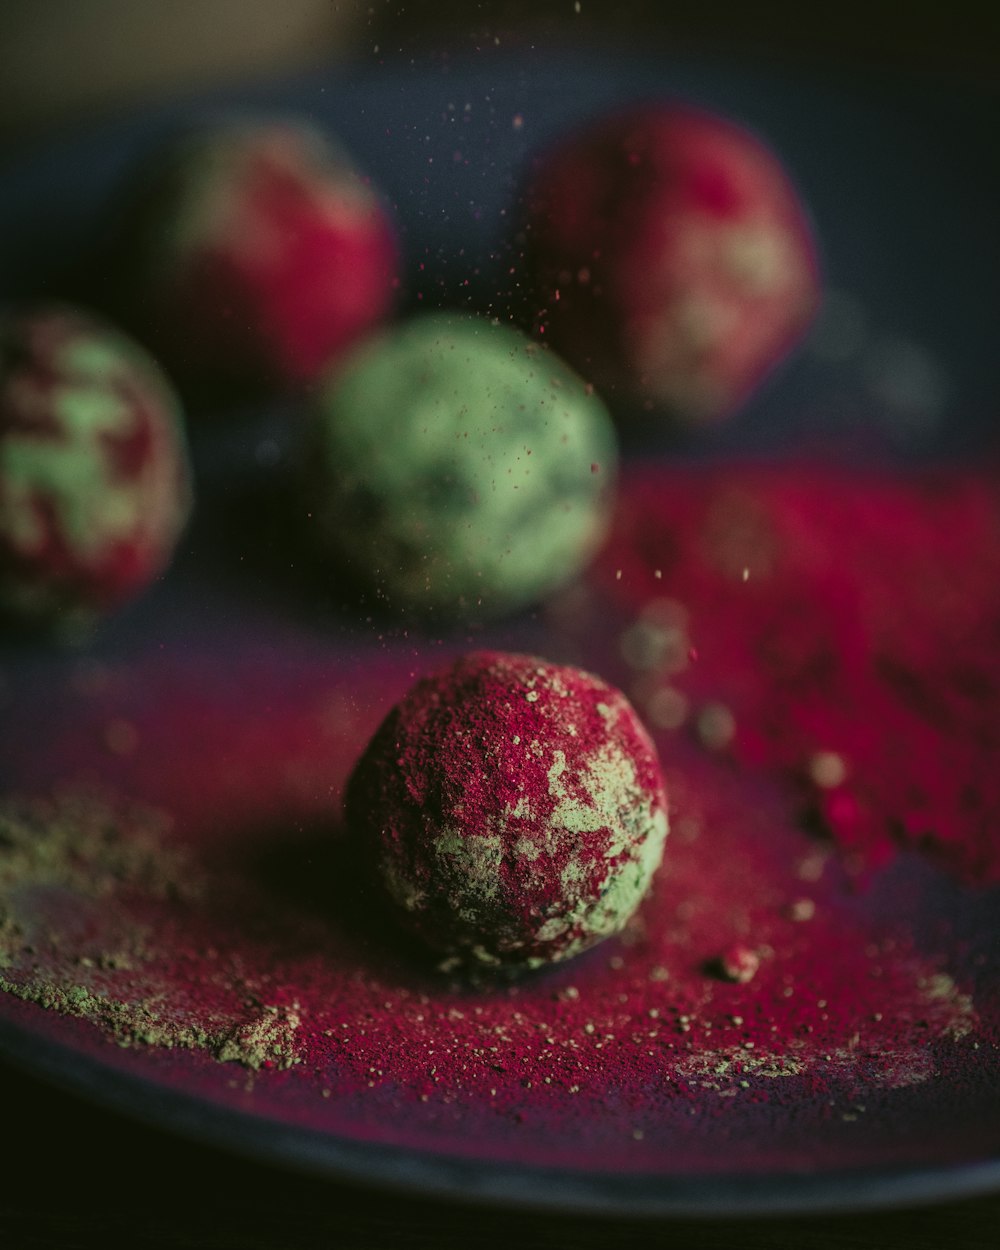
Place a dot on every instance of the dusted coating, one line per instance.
(515, 809)
(669, 257)
(459, 468)
(94, 480)
(255, 254)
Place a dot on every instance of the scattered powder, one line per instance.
(105, 918)
(244, 933)
(859, 665)
(90, 894)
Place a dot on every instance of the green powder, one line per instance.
(83, 883)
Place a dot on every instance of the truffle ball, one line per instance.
(251, 255)
(669, 258)
(458, 467)
(515, 809)
(94, 480)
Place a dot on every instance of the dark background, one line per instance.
(75, 1177)
(72, 60)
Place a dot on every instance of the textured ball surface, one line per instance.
(670, 257)
(94, 480)
(254, 255)
(515, 809)
(458, 467)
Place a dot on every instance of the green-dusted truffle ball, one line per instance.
(458, 467)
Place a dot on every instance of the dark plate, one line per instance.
(235, 701)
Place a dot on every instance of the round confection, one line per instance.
(515, 810)
(94, 480)
(252, 255)
(669, 258)
(457, 467)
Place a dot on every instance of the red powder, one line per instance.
(515, 808)
(847, 631)
(867, 1036)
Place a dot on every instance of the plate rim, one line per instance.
(444, 1175)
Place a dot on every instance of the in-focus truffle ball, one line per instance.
(669, 258)
(94, 480)
(458, 467)
(253, 255)
(515, 809)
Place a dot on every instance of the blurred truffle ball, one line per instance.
(458, 468)
(669, 258)
(94, 480)
(514, 808)
(252, 255)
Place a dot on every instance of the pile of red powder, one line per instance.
(841, 632)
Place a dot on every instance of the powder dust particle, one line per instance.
(736, 963)
(802, 909)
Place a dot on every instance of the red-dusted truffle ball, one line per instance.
(94, 480)
(254, 255)
(670, 258)
(515, 809)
